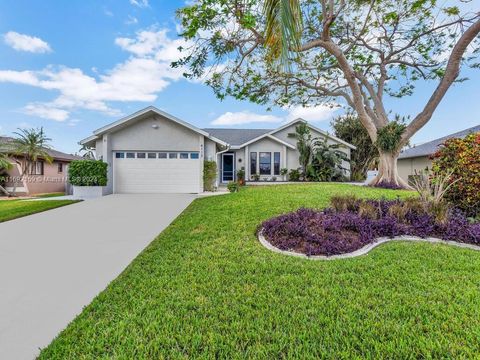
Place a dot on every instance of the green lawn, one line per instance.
(12, 209)
(206, 288)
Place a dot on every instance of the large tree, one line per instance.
(349, 128)
(354, 53)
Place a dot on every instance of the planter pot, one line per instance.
(88, 192)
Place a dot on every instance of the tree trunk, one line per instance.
(388, 171)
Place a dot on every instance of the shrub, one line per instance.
(283, 171)
(241, 177)
(233, 186)
(255, 177)
(461, 158)
(294, 175)
(209, 175)
(88, 173)
(353, 223)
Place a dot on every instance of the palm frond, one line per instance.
(283, 29)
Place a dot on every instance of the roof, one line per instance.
(140, 115)
(431, 147)
(234, 138)
(58, 155)
(237, 137)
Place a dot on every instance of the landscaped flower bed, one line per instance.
(351, 224)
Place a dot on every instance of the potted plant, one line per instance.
(241, 176)
(284, 173)
(255, 177)
(88, 177)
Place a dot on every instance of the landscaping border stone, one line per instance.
(366, 249)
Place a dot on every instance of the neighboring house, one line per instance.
(151, 151)
(42, 177)
(418, 158)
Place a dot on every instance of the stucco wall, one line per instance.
(50, 181)
(407, 167)
(210, 149)
(143, 136)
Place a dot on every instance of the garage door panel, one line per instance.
(156, 175)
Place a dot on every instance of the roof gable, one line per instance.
(431, 147)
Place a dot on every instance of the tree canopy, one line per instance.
(337, 52)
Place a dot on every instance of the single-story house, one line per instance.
(418, 158)
(151, 151)
(42, 178)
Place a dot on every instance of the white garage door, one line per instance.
(156, 172)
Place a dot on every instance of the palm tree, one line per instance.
(28, 147)
(5, 164)
(284, 27)
(304, 145)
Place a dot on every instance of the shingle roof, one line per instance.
(236, 137)
(431, 147)
(52, 152)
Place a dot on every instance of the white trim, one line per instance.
(270, 135)
(233, 167)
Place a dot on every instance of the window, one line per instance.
(152, 155)
(253, 163)
(141, 155)
(276, 163)
(183, 155)
(60, 167)
(130, 155)
(194, 155)
(172, 155)
(162, 155)
(36, 168)
(265, 163)
(120, 155)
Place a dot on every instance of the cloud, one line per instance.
(313, 114)
(46, 112)
(141, 77)
(244, 117)
(140, 3)
(132, 20)
(22, 42)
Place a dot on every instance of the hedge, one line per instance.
(88, 173)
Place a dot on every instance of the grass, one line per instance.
(12, 209)
(206, 288)
(49, 195)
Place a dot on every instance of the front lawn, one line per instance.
(206, 288)
(12, 209)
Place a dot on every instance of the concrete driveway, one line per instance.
(54, 263)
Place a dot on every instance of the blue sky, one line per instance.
(74, 66)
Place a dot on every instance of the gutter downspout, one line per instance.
(217, 183)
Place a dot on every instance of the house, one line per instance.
(418, 158)
(151, 151)
(42, 178)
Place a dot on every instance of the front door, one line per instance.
(228, 168)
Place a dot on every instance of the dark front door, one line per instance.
(228, 167)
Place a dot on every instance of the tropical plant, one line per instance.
(294, 175)
(461, 159)
(326, 162)
(304, 144)
(28, 147)
(241, 177)
(255, 177)
(283, 171)
(349, 128)
(432, 188)
(357, 54)
(209, 175)
(5, 165)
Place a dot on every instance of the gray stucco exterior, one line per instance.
(151, 130)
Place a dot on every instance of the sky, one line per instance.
(74, 66)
